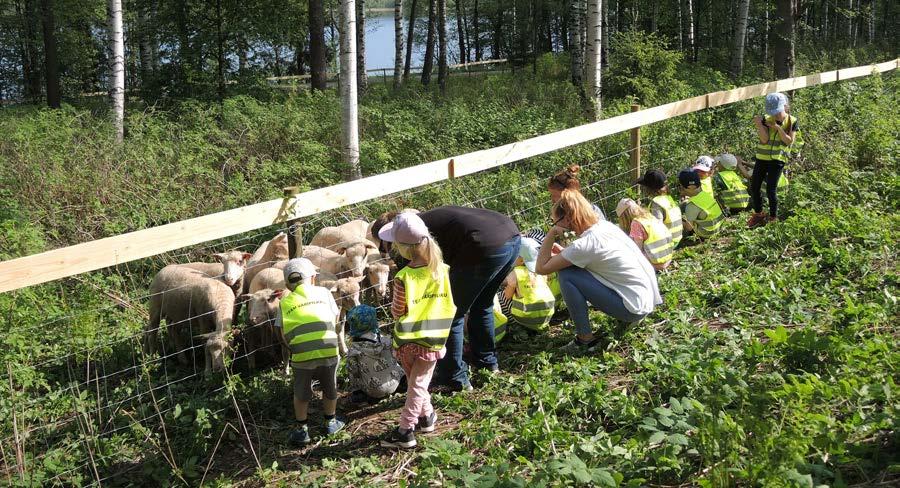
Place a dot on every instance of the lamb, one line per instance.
(346, 294)
(269, 252)
(348, 240)
(263, 301)
(188, 299)
(378, 274)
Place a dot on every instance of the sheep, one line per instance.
(378, 274)
(263, 301)
(188, 299)
(325, 259)
(346, 294)
(230, 269)
(269, 253)
(348, 240)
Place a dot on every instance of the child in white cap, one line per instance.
(530, 299)
(650, 234)
(307, 322)
(730, 188)
(704, 166)
(777, 132)
(423, 310)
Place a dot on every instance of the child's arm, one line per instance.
(398, 304)
(742, 169)
(510, 285)
(761, 129)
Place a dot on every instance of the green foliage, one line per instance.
(642, 67)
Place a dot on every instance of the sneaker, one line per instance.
(426, 424)
(771, 219)
(359, 396)
(333, 426)
(399, 438)
(576, 346)
(299, 437)
(757, 219)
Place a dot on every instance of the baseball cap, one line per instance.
(727, 160)
(623, 205)
(704, 163)
(688, 177)
(407, 228)
(361, 319)
(299, 269)
(528, 251)
(775, 103)
(653, 179)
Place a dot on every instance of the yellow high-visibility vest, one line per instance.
(500, 321)
(707, 185)
(672, 213)
(533, 303)
(308, 323)
(735, 195)
(658, 244)
(775, 149)
(429, 308)
(710, 218)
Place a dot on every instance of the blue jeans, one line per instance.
(474, 287)
(579, 287)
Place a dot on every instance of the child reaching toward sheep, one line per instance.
(530, 301)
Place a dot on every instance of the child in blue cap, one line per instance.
(372, 370)
(777, 132)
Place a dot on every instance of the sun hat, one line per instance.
(703, 163)
(299, 269)
(528, 251)
(361, 319)
(407, 228)
(688, 177)
(727, 160)
(653, 179)
(623, 205)
(775, 103)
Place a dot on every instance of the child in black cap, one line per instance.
(701, 213)
(662, 205)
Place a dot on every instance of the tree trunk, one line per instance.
(51, 60)
(428, 63)
(737, 54)
(687, 28)
(784, 40)
(117, 68)
(871, 22)
(497, 41)
(349, 116)
(220, 53)
(443, 68)
(461, 34)
(145, 47)
(595, 54)
(575, 45)
(654, 18)
(605, 29)
(409, 40)
(765, 44)
(317, 65)
(398, 43)
(476, 35)
(31, 59)
(361, 75)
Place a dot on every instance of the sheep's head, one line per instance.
(379, 276)
(262, 306)
(233, 263)
(217, 347)
(346, 292)
(278, 247)
(357, 257)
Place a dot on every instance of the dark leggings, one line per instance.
(770, 172)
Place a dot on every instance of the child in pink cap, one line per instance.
(423, 310)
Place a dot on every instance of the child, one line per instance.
(777, 132)
(531, 301)
(649, 233)
(371, 367)
(703, 166)
(307, 322)
(424, 310)
(662, 205)
(701, 213)
(730, 188)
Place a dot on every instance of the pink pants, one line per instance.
(418, 400)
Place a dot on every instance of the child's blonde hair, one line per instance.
(428, 250)
(573, 205)
(632, 210)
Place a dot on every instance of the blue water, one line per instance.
(380, 41)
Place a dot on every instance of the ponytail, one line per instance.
(579, 211)
(428, 250)
(566, 179)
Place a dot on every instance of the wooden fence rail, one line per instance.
(110, 251)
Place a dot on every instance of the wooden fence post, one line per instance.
(635, 147)
(294, 227)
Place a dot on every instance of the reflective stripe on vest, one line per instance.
(658, 244)
(710, 218)
(500, 321)
(735, 195)
(429, 308)
(775, 149)
(308, 324)
(533, 304)
(672, 214)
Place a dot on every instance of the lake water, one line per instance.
(380, 41)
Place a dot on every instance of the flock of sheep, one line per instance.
(203, 300)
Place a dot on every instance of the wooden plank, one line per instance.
(857, 72)
(90, 256)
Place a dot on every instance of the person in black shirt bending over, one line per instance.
(480, 246)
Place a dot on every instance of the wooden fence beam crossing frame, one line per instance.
(111, 251)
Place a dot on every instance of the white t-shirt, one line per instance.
(615, 260)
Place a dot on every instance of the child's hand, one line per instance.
(757, 120)
(556, 249)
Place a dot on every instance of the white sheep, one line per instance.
(189, 300)
(263, 303)
(269, 253)
(348, 240)
(325, 259)
(378, 274)
(346, 295)
(230, 269)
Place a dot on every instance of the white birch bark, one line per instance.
(398, 43)
(687, 24)
(737, 55)
(595, 54)
(349, 114)
(117, 68)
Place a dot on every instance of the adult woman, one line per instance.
(602, 266)
(480, 246)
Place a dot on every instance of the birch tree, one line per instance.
(428, 63)
(740, 34)
(117, 68)
(349, 115)
(362, 77)
(409, 40)
(687, 28)
(595, 54)
(398, 43)
(576, 12)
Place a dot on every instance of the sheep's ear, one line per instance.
(370, 245)
(246, 256)
(276, 295)
(219, 256)
(341, 250)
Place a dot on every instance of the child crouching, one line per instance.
(371, 367)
